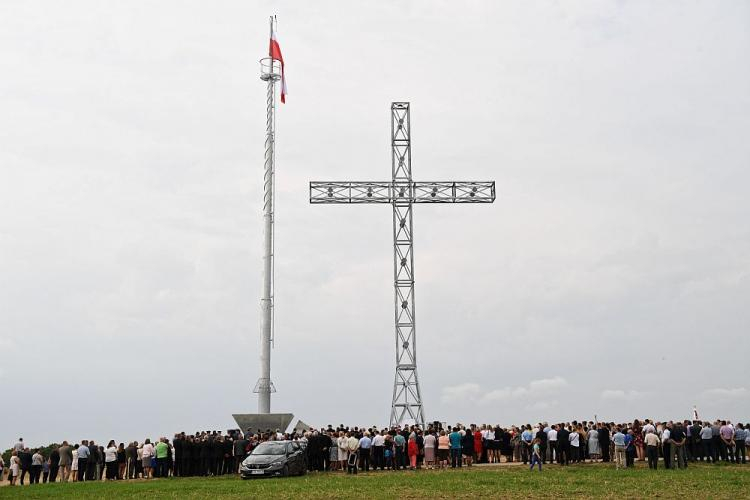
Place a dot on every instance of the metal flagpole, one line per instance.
(264, 387)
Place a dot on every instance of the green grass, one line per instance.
(582, 481)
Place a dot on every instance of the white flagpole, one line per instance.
(265, 386)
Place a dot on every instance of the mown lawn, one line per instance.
(582, 481)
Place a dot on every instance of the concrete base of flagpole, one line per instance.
(254, 423)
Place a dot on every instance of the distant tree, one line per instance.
(46, 450)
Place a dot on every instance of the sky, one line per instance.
(610, 278)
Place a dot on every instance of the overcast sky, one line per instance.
(611, 276)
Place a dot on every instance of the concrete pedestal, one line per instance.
(262, 422)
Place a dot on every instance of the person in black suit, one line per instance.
(25, 457)
(695, 441)
(195, 453)
(186, 455)
(314, 458)
(131, 457)
(228, 464)
(563, 445)
(177, 443)
(54, 464)
(504, 442)
(205, 456)
(541, 436)
(420, 447)
(217, 453)
(93, 460)
(239, 445)
(325, 448)
(603, 436)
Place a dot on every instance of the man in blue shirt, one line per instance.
(629, 449)
(365, 443)
(83, 459)
(740, 436)
(526, 438)
(455, 440)
(619, 440)
(400, 443)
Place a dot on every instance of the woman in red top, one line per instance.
(477, 444)
(412, 450)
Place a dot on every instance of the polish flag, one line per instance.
(275, 52)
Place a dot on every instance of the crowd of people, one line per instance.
(438, 446)
(200, 454)
(354, 449)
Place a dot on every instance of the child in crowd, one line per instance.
(536, 456)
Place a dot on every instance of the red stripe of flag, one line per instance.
(274, 51)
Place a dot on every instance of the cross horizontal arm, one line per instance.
(405, 192)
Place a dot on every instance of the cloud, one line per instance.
(535, 389)
(541, 405)
(726, 393)
(6, 343)
(547, 384)
(475, 393)
(620, 395)
(497, 395)
(460, 392)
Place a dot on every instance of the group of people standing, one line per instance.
(204, 453)
(409, 447)
(439, 446)
(677, 443)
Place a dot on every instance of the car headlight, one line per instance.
(276, 465)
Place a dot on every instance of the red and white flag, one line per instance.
(275, 52)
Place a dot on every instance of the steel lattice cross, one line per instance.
(402, 192)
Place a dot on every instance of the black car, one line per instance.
(274, 458)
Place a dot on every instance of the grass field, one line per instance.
(582, 481)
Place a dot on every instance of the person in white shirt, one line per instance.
(139, 458)
(74, 464)
(342, 442)
(378, 447)
(15, 464)
(110, 461)
(352, 447)
(706, 441)
(430, 444)
(649, 427)
(552, 443)
(146, 455)
(36, 466)
(652, 448)
(574, 439)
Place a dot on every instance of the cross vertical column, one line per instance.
(401, 192)
(407, 398)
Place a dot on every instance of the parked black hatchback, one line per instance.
(274, 458)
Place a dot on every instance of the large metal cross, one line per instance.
(402, 192)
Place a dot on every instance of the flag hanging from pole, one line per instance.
(274, 51)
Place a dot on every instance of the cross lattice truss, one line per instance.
(402, 193)
(394, 192)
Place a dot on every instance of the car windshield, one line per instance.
(269, 448)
